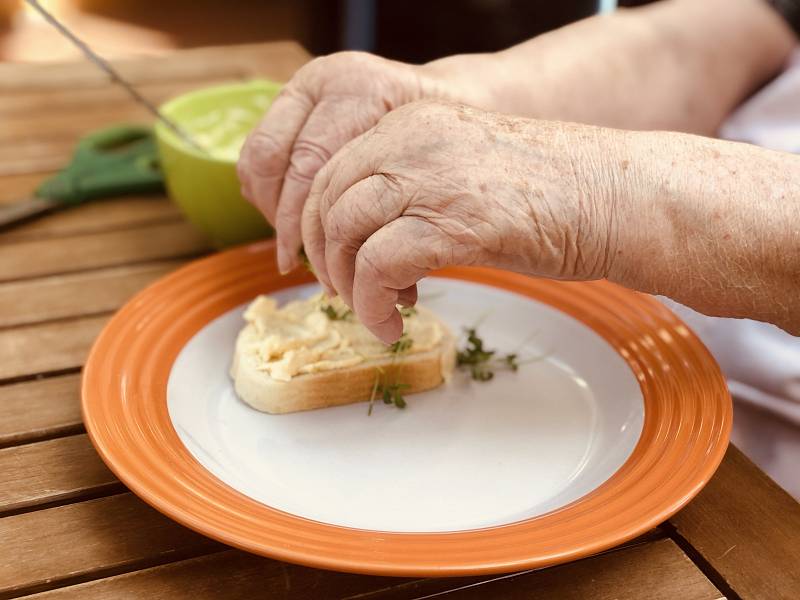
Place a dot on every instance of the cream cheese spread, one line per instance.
(321, 334)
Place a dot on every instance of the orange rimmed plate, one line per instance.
(616, 419)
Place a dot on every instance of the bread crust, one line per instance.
(421, 371)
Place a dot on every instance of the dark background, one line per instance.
(419, 31)
(409, 30)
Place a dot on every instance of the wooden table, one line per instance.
(69, 529)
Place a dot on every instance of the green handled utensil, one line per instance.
(119, 160)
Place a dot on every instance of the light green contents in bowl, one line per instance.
(222, 131)
(205, 184)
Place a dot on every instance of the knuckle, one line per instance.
(260, 154)
(289, 216)
(371, 204)
(321, 68)
(336, 228)
(412, 123)
(320, 181)
(304, 78)
(307, 159)
(374, 264)
(346, 58)
(340, 223)
(387, 186)
(297, 91)
(317, 63)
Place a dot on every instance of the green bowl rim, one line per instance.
(169, 137)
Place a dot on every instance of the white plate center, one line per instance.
(466, 455)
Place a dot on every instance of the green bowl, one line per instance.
(205, 186)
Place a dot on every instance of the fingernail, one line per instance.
(283, 262)
(390, 330)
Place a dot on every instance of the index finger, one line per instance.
(265, 155)
(353, 162)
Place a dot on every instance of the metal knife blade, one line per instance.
(114, 74)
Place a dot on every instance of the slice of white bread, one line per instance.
(421, 371)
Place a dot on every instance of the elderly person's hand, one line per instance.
(328, 102)
(435, 184)
(709, 223)
(622, 70)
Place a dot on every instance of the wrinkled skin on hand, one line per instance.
(328, 102)
(436, 184)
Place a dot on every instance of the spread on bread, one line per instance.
(320, 334)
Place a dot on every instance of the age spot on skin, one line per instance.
(625, 164)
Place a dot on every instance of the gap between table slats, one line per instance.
(55, 125)
(101, 538)
(656, 569)
(59, 347)
(33, 350)
(95, 217)
(225, 575)
(42, 131)
(52, 472)
(32, 157)
(86, 293)
(88, 540)
(746, 529)
(38, 258)
(19, 187)
(40, 409)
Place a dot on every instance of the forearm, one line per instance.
(677, 65)
(712, 224)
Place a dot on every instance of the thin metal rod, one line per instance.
(113, 74)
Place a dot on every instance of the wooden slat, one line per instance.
(96, 538)
(76, 294)
(48, 347)
(56, 125)
(656, 571)
(75, 99)
(748, 529)
(77, 542)
(94, 217)
(72, 113)
(19, 187)
(96, 250)
(42, 140)
(229, 575)
(36, 410)
(51, 471)
(278, 60)
(35, 156)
